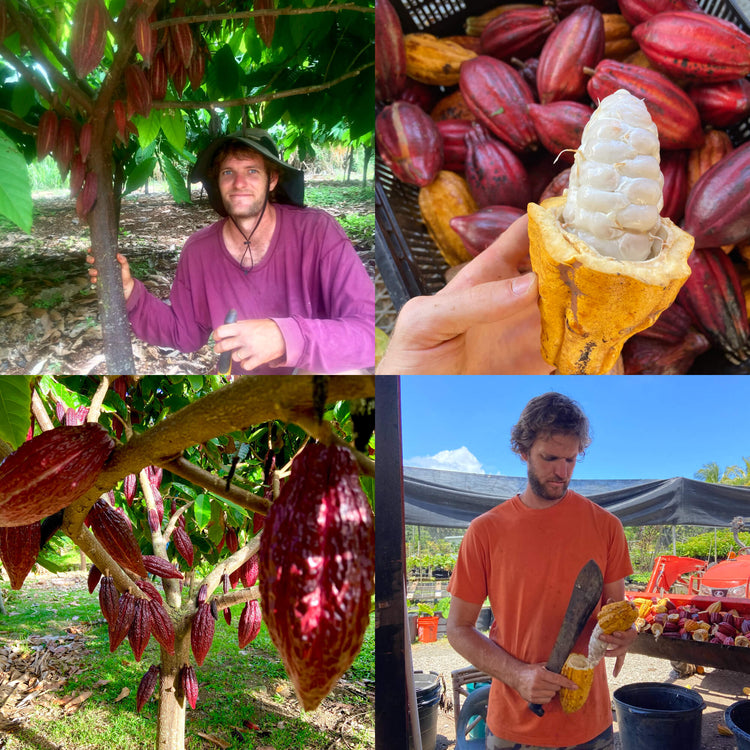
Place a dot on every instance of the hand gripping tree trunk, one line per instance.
(102, 219)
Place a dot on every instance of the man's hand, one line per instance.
(252, 342)
(619, 643)
(484, 321)
(536, 684)
(127, 279)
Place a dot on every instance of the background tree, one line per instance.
(206, 480)
(111, 90)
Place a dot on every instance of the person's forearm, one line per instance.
(485, 654)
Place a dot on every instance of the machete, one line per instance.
(587, 591)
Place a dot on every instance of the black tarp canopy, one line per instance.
(434, 497)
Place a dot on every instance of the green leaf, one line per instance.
(15, 188)
(176, 182)
(139, 174)
(22, 99)
(202, 510)
(224, 71)
(148, 127)
(15, 408)
(173, 127)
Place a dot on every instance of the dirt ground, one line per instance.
(718, 688)
(48, 308)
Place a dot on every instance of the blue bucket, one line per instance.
(658, 716)
(737, 718)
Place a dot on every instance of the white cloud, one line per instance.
(461, 459)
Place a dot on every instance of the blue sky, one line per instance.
(642, 427)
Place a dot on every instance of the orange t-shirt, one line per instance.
(526, 561)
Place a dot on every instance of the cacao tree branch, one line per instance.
(241, 556)
(195, 474)
(96, 402)
(40, 411)
(253, 13)
(12, 119)
(173, 520)
(171, 104)
(237, 596)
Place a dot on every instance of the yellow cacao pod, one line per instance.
(447, 196)
(436, 62)
(577, 669)
(617, 616)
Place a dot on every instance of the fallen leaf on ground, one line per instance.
(214, 740)
(124, 693)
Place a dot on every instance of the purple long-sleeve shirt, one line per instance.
(311, 282)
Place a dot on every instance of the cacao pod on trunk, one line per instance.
(50, 471)
(183, 545)
(390, 53)
(109, 600)
(317, 570)
(93, 578)
(125, 615)
(87, 197)
(158, 566)
(19, 549)
(145, 37)
(189, 685)
(116, 536)
(162, 627)
(265, 25)
(46, 134)
(147, 686)
(202, 633)
(158, 77)
(182, 39)
(139, 632)
(88, 36)
(249, 571)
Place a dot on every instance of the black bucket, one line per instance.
(737, 718)
(428, 689)
(658, 716)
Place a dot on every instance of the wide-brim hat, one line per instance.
(289, 189)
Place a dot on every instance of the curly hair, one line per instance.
(549, 414)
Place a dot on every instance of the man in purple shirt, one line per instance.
(303, 299)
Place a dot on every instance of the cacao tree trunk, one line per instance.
(118, 349)
(170, 725)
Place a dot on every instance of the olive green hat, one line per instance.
(289, 189)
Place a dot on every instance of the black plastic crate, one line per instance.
(408, 259)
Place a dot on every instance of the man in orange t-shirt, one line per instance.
(524, 555)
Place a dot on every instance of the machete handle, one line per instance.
(225, 358)
(536, 708)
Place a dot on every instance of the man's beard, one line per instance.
(538, 488)
(251, 210)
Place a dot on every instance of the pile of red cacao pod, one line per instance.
(485, 120)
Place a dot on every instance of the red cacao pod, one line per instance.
(93, 579)
(189, 685)
(182, 39)
(559, 126)
(713, 297)
(149, 589)
(125, 616)
(88, 36)
(695, 46)
(179, 80)
(87, 197)
(202, 633)
(19, 549)
(671, 109)
(46, 134)
(480, 229)
(162, 627)
(249, 625)
(717, 211)
(115, 534)
(453, 134)
(139, 632)
(146, 686)
(497, 95)
(317, 569)
(65, 144)
(121, 119)
(158, 566)
(390, 55)
(249, 572)
(138, 90)
(130, 487)
(722, 105)
(265, 24)
(409, 143)
(109, 601)
(145, 37)
(519, 32)
(50, 471)
(494, 174)
(158, 77)
(675, 190)
(84, 140)
(648, 356)
(421, 94)
(576, 43)
(556, 186)
(638, 11)
(197, 69)
(183, 545)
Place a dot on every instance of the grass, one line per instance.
(234, 687)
